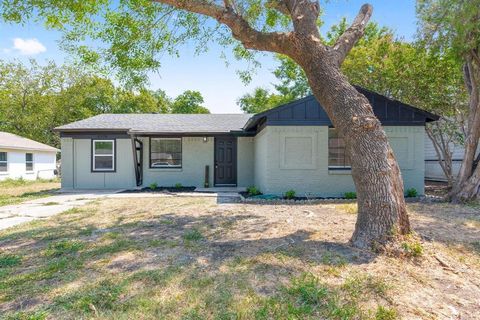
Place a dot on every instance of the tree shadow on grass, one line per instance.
(447, 223)
(169, 240)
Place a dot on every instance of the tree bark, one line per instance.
(442, 150)
(382, 212)
(467, 187)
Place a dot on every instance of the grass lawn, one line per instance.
(189, 258)
(17, 191)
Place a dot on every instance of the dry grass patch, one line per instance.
(190, 258)
(17, 191)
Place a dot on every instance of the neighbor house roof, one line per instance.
(160, 123)
(12, 141)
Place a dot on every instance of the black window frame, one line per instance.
(31, 162)
(345, 156)
(4, 161)
(92, 156)
(165, 167)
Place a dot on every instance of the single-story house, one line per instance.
(24, 158)
(293, 146)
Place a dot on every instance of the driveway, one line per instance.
(46, 207)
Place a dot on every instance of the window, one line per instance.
(337, 153)
(3, 162)
(165, 153)
(103, 155)
(29, 161)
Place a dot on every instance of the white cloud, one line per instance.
(28, 46)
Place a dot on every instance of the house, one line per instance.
(433, 170)
(293, 146)
(24, 158)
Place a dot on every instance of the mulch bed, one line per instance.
(161, 189)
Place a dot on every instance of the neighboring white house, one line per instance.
(24, 158)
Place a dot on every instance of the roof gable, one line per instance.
(308, 111)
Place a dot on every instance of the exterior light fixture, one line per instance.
(205, 139)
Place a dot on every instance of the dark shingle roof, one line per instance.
(161, 123)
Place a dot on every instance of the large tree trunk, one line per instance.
(381, 206)
(467, 187)
(382, 212)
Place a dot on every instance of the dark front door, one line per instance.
(225, 161)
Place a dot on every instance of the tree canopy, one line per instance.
(34, 99)
(426, 78)
(453, 26)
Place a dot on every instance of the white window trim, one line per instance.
(94, 141)
(33, 162)
(6, 161)
(164, 166)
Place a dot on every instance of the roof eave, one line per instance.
(32, 149)
(60, 129)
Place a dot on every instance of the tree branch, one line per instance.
(241, 29)
(304, 14)
(348, 39)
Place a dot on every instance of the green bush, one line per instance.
(412, 248)
(290, 194)
(153, 186)
(178, 185)
(350, 195)
(253, 191)
(411, 193)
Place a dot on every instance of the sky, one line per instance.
(208, 73)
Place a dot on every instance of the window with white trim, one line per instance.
(29, 162)
(103, 157)
(165, 152)
(337, 152)
(3, 162)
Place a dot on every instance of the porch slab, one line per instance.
(221, 189)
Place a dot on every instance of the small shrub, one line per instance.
(193, 235)
(178, 185)
(350, 195)
(412, 248)
(153, 186)
(411, 193)
(9, 260)
(290, 194)
(253, 191)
